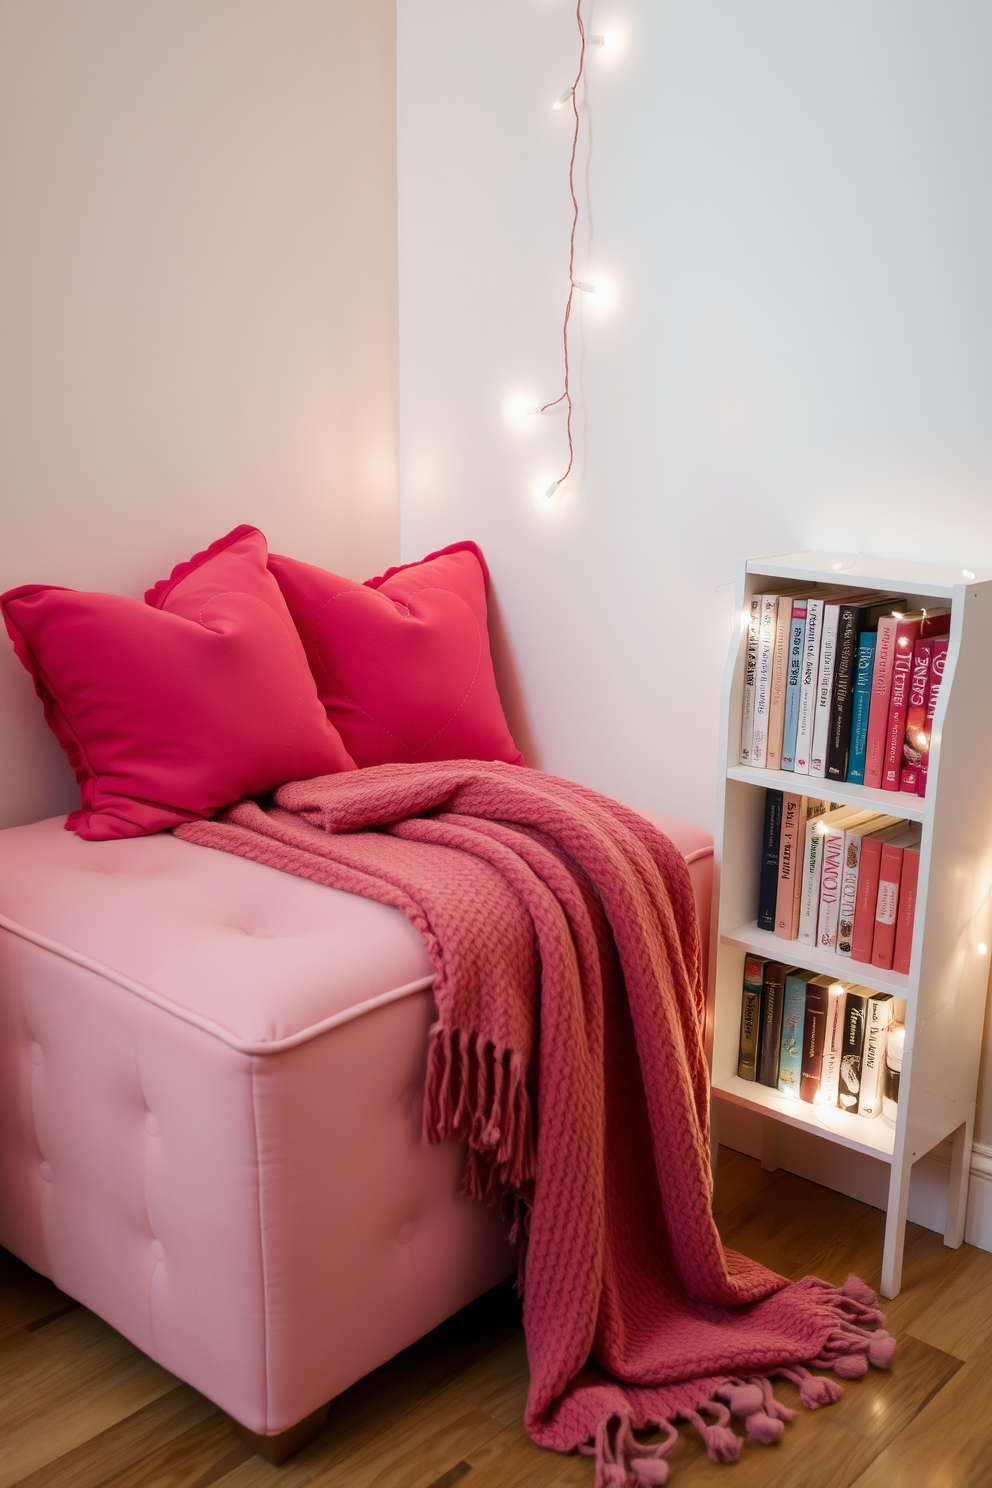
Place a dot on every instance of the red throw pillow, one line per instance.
(171, 709)
(402, 662)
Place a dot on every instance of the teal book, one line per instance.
(794, 684)
(862, 702)
(790, 1061)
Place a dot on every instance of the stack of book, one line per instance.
(839, 878)
(817, 1039)
(842, 687)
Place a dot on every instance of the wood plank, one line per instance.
(204, 1454)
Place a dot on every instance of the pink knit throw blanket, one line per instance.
(567, 1055)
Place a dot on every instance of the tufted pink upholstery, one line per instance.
(210, 1078)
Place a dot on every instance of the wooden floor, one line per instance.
(81, 1408)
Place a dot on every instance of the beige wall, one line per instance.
(197, 300)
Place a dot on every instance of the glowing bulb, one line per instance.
(967, 573)
(560, 102)
(982, 948)
(837, 565)
(518, 410)
(551, 490)
(585, 288)
(595, 41)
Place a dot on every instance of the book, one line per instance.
(809, 893)
(750, 668)
(824, 690)
(831, 874)
(859, 708)
(853, 839)
(906, 635)
(770, 1038)
(938, 657)
(833, 1041)
(790, 1059)
(763, 679)
(814, 1037)
(867, 893)
(878, 1016)
(797, 814)
(878, 707)
(856, 618)
(906, 913)
(797, 637)
(915, 739)
(747, 1058)
(771, 835)
(887, 901)
(807, 689)
(779, 682)
(851, 1049)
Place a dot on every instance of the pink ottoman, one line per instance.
(210, 1084)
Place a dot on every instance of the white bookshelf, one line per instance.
(945, 990)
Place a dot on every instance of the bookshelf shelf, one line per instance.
(946, 987)
(892, 803)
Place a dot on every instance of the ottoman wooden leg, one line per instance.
(280, 1448)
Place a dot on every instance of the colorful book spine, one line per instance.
(851, 1050)
(831, 875)
(771, 837)
(886, 906)
(814, 1038)
(878, 708)
(793, 690)
(869, 863)
(747, 1059)
(770, 1040)
(790, 866)
(779, 684)
(824, 692)
(860, 706)
(915, 741)
(807, 692)
(906, 914)
(750, 669)
(809, 893)
(851, 866)
(878, 1016)
(938, 657)
(845, 678)
(790, 1059)
(763, 679)
(907, 634)
(833, 1043)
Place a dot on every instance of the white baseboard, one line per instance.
(867, 1179)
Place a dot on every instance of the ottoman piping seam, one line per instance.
(261, 1248)
(208, 1025)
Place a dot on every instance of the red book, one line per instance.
(915, 743)
(814, 1037)
(907, 633)
(886, 906)
(906, 914)
(937, 658)
(878, 709)
(864, 908)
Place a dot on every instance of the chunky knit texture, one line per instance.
(567, 1055)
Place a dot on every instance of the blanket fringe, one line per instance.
(624, 1462)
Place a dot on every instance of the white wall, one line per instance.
(197, 300)
(794, 202)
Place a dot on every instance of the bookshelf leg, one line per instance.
(957, 1193)
(895, 1229)
(769, 1145)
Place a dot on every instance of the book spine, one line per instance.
(763, 679)
(779, 683)
(938, 656)
(809, 897)
(886, 906)
(869, 862)
(772, 999)
(859, 708)
(750, 667)
(906, 915)
(851, 1049)
(848, 892)
(789, 866)
(832, 1044)
(747, 1060)
(878, 1016)
(790, 1060)
(845, 676)
(824, 692)
(895, 735)
(878, 707)
(807, 691)
(814, 1037)
(915, 742)
(831, 872)
(793, 690)
(768, 877)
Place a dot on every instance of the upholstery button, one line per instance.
(405, 1233)
(46, 1171)
(152, 1126)
(158, 1250)
(34, 1053)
